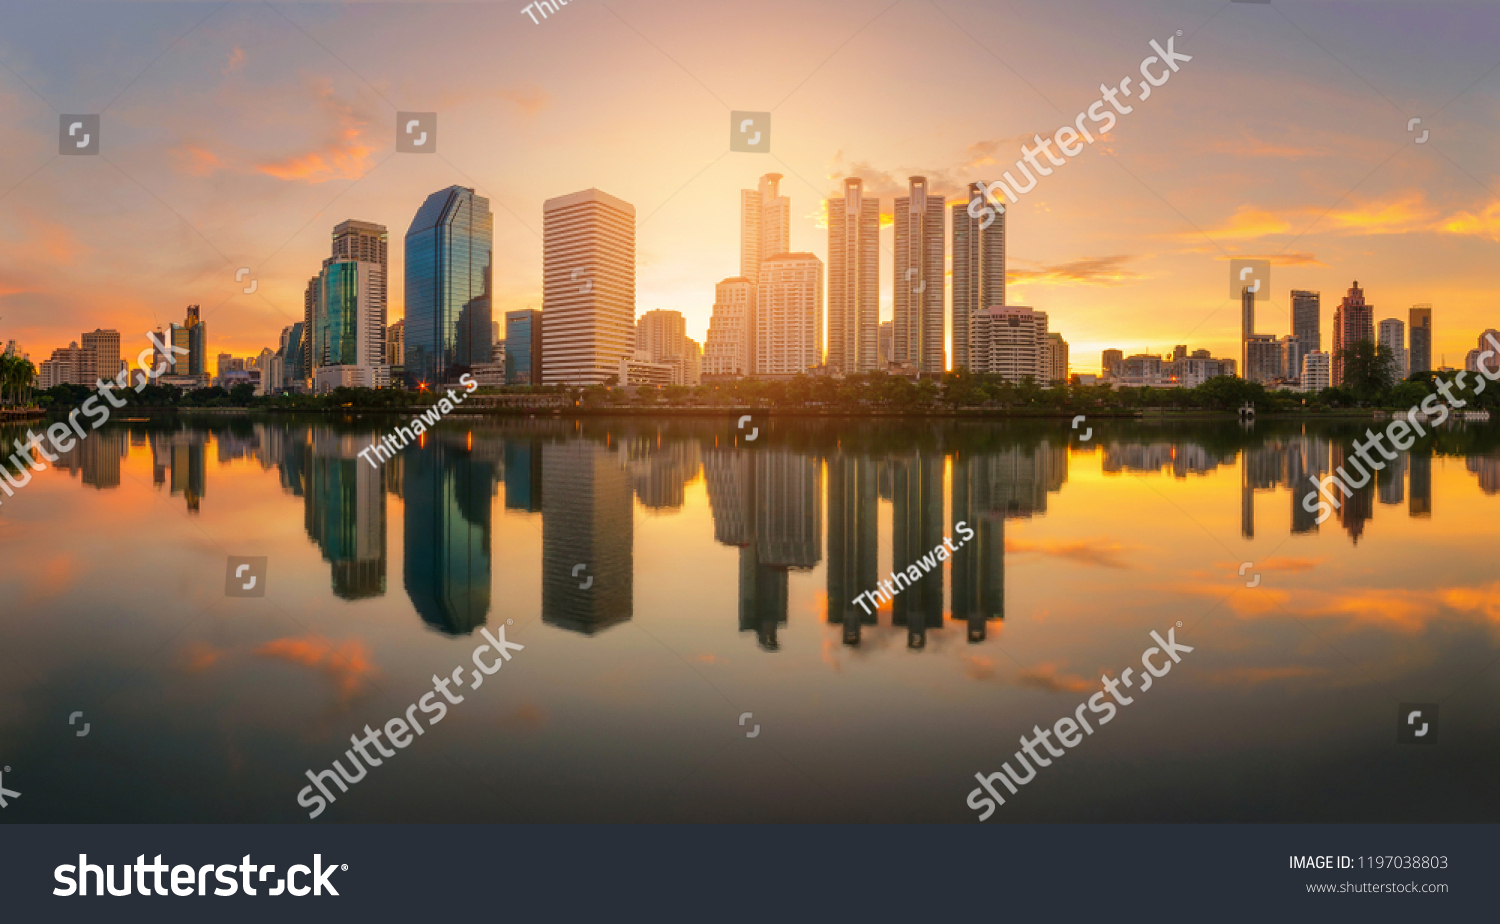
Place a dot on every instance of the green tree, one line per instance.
(1368, 369)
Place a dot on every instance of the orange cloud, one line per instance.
(1108, 271)
(236, 61)
(344, 156)
(198, 657)
(1249, 222)
(1250, 676)
(1284, 563)
(1046, 676)
(526, 717)
(348, 664)
(195, 161)
(1485, 224)
(1092, 552)
(528, 97)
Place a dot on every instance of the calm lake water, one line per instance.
(667, 577)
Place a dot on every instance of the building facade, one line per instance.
(449, 274)
(978, 267)
(523, 347)
(1057, 358)
(729, 349)
(765, 225)
(1011, 342)
(917, 301)
(1391, 334)
(588, 287)
(789, 315)
(853, 281)
(1307, 320)
(1353, 322)
(1420, 356)
(1316, 371)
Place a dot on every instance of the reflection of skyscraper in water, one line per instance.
(766, 502)
(586, 520)
(1392, 479)
(1420, 502)
(916, 529)
(1307, 458)
(448, 490)
(853, 540)
(1487, 467)
(659, 472)
(181, 459)
(345, 514)
(523, 475)
(979, 565)
(98, 458)
(1355, 510)
(1260, 470)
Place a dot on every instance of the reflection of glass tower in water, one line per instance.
(345, 514)
(978, 565)
(917, 528)
(587, 520)
(853, 540)
(1392, 479)
(523, 475)
(99, 458)
(766, 502)
(1355, 510)
(447, 535)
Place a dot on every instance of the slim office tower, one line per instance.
(1247, 330)
(918, 295)
(853, 281)
(978, 268)
(730, 347)
(1420, 359)
(765, 225)
(312, 313)
(1419, 504)
(1392, 335)
(1353, 321)
(789, 315)
(197, 342)
(345, 514)
(978, 570)
(1057, 358)
(1307, 320)
(449, 269)
(449, 494)
(349, 338)
(588, 287)
(523, 347)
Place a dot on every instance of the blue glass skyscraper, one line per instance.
(449, 250)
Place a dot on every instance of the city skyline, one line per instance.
(1354, 198)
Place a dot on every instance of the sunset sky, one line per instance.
(240, 134)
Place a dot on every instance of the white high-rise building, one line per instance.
(765, 225)
(588, 287)
(1392, 333)
(349, 339)
(730, 347)
(660, 334)
(1011, 342)
(917, 304)
(1057, 357)
(853, 281)
(978, 267)
(1316, 371)
(789, 315)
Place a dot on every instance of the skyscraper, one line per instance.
(1247, 331)
(765, 225)
(348, 333)
(789, 315)
(197, 344)
(395, 343)
(312, 310)
(730, 347)
(588, 287)
(523, 347)
(1307, 320)
(918, 297)
(660, 334)
(1057, 358)
(853, 280)
(1392, 335)
(1353, 321)
(978, 268)
(1420, 357)
(449, 268)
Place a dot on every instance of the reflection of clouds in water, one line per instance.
(1082, 551)
(348, 664)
